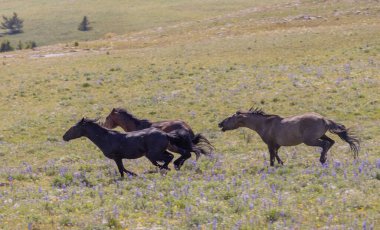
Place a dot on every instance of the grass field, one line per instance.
(200, 62)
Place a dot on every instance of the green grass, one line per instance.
(50, 22)
(198, 71)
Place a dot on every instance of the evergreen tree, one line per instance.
(84, 25)
(13, 24)
(5, 46)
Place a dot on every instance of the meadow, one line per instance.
(200, 65)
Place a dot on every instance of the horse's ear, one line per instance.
(82, 119)
(238, 112)
(113, 110)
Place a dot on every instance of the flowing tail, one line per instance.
(180, 139)
(203, 145)
(199, 144)
(345, 135)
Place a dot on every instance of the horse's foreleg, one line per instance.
(120, 166)
(278, 158)
(181, 160)
(272, 154)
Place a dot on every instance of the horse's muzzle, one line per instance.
(220, 125)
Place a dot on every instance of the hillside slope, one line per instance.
(285, 57)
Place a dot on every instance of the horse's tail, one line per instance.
(180, 139)
(203, 145)
(345, 135)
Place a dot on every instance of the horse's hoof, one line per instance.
(177, 167)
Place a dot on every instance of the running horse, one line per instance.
(151, 143)
(276, 131)
(128, 122)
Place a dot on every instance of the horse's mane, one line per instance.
(126, 113)
(96, 120)
(259, 111)
(137, 121)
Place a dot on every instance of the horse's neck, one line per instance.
(132, 124)
(256, 123)
(96, 134)
(143, 124)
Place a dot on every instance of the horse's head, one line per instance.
(111, 120)
(233, 122)
(77, 130)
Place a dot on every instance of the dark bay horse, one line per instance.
(128, 122)
(275, 131)
(151, 143)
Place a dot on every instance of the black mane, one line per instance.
(257, 111)
(141, 123)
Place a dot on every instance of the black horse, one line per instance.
(128, 122)
(151, 143)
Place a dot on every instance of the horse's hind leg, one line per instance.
(331, 143)
(167, 158)
(184, 156)
(322, 143)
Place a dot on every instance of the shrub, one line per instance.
(30, 44)
(5, 46)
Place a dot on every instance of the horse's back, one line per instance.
(296, 129)
(169, 126)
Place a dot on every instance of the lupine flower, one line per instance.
(378, 163)
(361, 167)
(273, 188)
(62, 171)
(345, 174)
(263, 176)
(347, 68)
(188, 210)
(214, 224)
(337, 164)
(115, 212)
(279, 199)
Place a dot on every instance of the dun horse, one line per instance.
(275, 131)
(128, 122)
(151, 143)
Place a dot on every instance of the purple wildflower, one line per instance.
(62, 171)
(273, 187)
(378, 163)
(214, 224)
(337, 164)
(361, 167)
(115, 211)
(364, 225)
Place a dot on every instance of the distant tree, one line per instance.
(84, 25)
(5, 46)
(20, 45)
(30, 44)
(13, 24)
